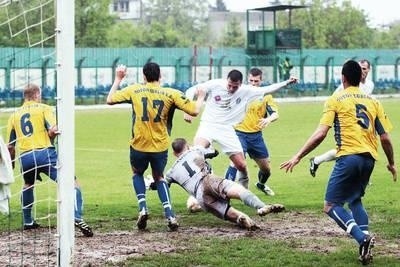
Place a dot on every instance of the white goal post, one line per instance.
(65, 57)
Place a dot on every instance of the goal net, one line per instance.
(37, 47)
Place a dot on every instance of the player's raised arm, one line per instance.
(120, 73)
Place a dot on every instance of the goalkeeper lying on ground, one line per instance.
(213, 193)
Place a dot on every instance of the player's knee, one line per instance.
(241, 166)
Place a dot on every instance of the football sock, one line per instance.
(78, 204)
(27, 202)
(243, 179)
(251, 200)
(231, 173)
(346, 222)
(140, 189)
(360, 215)
(327, 156)
(163, 194)
(263, 176)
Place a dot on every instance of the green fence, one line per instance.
(181, 67)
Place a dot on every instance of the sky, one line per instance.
(380, 12)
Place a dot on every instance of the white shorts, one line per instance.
(224, 135)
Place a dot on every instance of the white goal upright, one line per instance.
(28, 23)
(65, 55)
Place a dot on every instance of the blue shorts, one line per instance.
(253, 144)
(140, 161)
(39, 161)
(349, 178)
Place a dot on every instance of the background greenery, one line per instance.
(103, 169)
(184, 23)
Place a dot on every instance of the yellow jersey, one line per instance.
(152, 112)
(357, 119)
(28, 126)
(257, 109)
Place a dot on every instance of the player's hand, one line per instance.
(187, 118)
(393, 170)
(264, 122)
(120, 71)
(292, 80)
(53, 132)
(289, 165)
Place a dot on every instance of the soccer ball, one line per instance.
(192, 204)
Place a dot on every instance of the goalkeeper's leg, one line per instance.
(241, 219)
(237, 191)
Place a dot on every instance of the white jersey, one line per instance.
(189, 169)
(367, 87)
(226, 108)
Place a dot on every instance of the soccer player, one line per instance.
(225, 107)
(367, 86)
(357, 119)
(152, 112)
(31, 131)
(213, 193)
(260, 113)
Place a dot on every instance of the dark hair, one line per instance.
(235, 76)
(255, 72)
(178, 145)
(365, 61)
(351, 70)
(151, 71)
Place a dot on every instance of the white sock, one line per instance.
(327, 156)
(243, 179)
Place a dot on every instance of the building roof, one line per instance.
(280, 7)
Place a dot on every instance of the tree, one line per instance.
(185, 19)
(330, 26)
(220, 6)
(233, 36)
(131, 34)
(387, 38)
(92, 22)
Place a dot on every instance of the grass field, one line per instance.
(102, 166)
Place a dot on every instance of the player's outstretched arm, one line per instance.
(276, 86)
(315, 139)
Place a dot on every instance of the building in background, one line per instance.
(127, 9)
